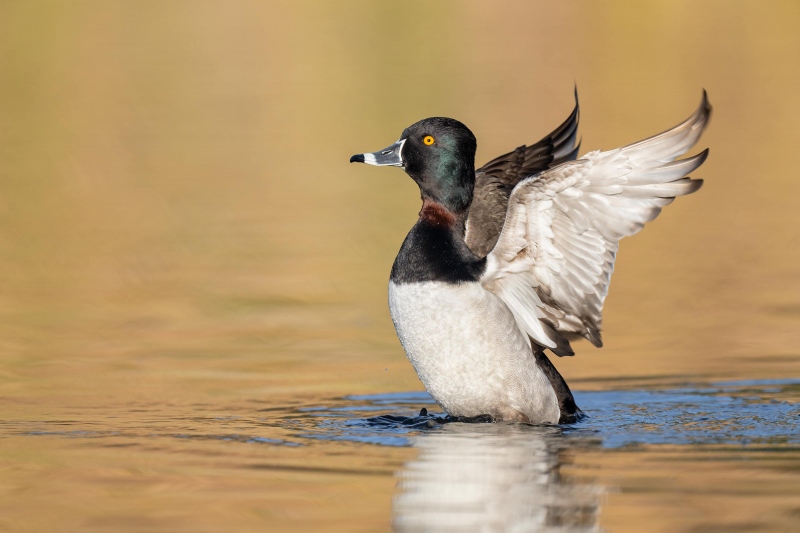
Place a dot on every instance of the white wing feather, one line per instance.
(553, 261)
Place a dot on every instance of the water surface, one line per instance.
(449, 476)
(193, 323)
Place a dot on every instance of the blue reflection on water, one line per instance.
(732, 413)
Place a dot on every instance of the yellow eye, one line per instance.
(428, 140)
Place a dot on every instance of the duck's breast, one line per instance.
(469, 353)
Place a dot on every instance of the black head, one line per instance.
(439, 154)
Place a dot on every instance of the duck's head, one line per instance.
(439, 154)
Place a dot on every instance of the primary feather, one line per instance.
(554, 257)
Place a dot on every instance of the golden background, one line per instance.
(180, 226)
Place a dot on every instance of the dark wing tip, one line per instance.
(577, 105)
(593, 335)
(702, 156)
(696, 184)
(705, 105)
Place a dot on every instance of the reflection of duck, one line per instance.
(492, 477)
(468, 320)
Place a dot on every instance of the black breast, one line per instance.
(435, 252)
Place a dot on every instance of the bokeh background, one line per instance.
(179, 223)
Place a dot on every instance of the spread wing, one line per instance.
(495, 180)
(553, 261)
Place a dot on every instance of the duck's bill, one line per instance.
(389, 156)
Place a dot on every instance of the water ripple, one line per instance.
(731, 413)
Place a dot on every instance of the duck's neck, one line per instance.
(448, 184)
(438, 215)
(434, 249)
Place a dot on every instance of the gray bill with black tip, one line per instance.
(389, 156)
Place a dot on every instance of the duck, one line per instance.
(514, 259)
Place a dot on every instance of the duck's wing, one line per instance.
(553, 261)
(495, 180)
(555, 148)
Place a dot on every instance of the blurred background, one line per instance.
(180, 226)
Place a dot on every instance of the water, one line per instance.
(736, 413)
(733, 413)
(193, 325)
(468, 476)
